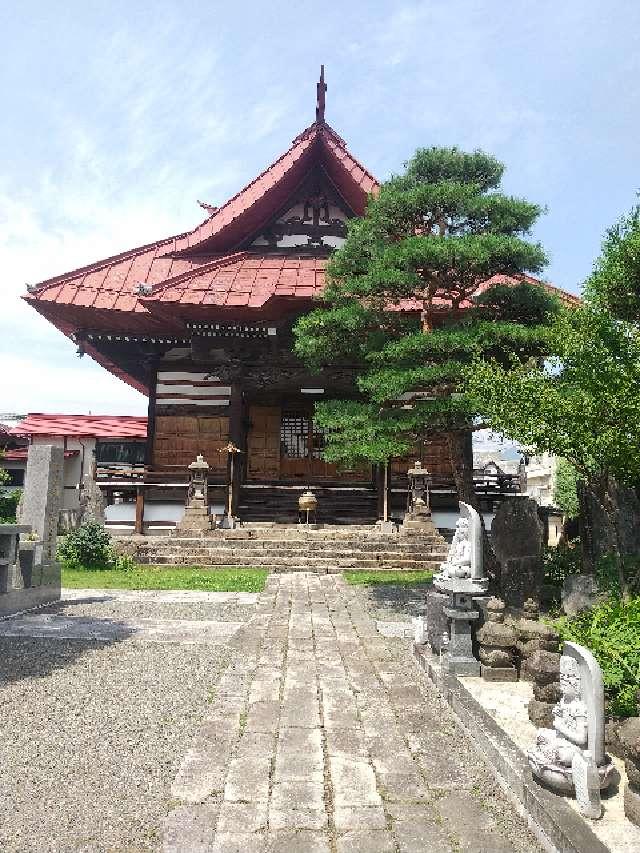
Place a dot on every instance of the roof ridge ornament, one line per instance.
(321, 88)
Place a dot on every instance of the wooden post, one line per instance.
(385, 500)
(238, 438)
(139, 526)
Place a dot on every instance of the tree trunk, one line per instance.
(604, 491)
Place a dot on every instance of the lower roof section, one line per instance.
(83, 426)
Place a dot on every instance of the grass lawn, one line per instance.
(167, 577)
(395, 578)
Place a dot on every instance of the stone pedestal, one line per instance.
(533, 636)
(459, 657)
(544, 668)
(196, 519)
(497, 645)
(437, 622)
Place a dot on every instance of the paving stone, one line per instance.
(297, 794)
(349, 694)
(422, 835)
(297, 842)
(263, 717)
(348, 818)
(353, 782)
(376, 841)
(238, 842)
(299, 755)
(463, 816)
(403, 787)
(189, 829)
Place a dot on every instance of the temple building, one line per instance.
(202, 324)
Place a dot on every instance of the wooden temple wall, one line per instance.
(192, 416)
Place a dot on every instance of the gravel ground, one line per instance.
(94, 732)
(390, 603)
(114, 609)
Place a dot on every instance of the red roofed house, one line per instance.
(115, 443)
(201, 323)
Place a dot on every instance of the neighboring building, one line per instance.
(202, 324)
(89, 442)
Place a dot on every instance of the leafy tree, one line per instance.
(565, 494)
(583, 404)
(615, 281)
(428, 243)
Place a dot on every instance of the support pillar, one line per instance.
(139, 526)
(237, 435)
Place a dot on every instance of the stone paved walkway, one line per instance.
(324, 738)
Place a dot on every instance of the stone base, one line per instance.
(387, 526)
(462, 666)
(419, 525)
(196, 519)
(540, 714)
(437, 622)
(498, 673)
(632, 805)
(24, 599)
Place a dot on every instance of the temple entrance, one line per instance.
(284, 444)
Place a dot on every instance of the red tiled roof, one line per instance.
(97, 426)
(21, 454)
(242, 279)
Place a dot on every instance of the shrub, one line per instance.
(563, 560)
(8, 505)
(87, 546)
(611, 630)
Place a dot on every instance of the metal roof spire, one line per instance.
(321, 88)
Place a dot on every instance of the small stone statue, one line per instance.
(464, 560)
(497, 645)
(570, 757)
(461, 577)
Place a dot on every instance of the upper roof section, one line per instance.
(109, 294)
(83, 426)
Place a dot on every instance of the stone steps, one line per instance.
(279, 549)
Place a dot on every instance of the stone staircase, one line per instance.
(292, 549)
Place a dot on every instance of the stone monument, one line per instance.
(516, 536)
(462, 578)
(92, 500)
(197, 518)
(29, 573)
(570, 757)
(497, 645)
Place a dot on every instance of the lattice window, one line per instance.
(294, 435)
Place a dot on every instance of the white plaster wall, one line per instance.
(72, 465)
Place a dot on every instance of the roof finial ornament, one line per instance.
(321, 88)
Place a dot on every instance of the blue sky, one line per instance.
(118, 116)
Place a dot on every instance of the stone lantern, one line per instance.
(198, 481)
(196, 517)
(418, 516)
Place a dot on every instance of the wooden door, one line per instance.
(263, 443)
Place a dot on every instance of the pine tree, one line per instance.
(429, 242)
